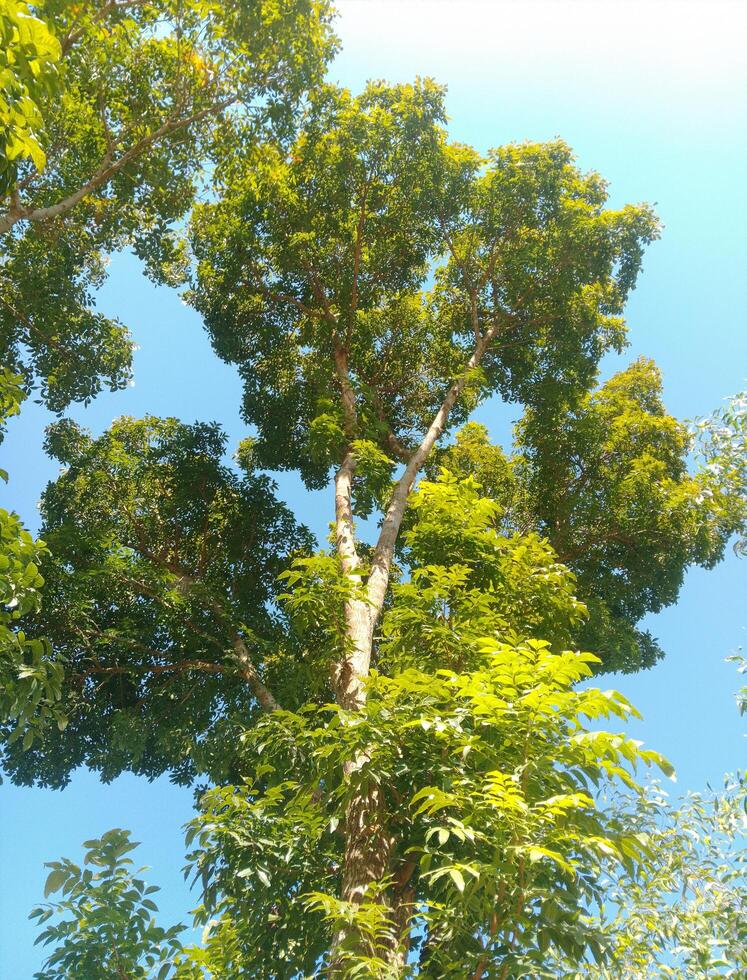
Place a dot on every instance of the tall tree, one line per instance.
(313, 275)
(113, 156)
(396, 735)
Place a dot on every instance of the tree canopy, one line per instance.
(314, 269)
(140, 98)
(162, 577)
(607, 481)
(395, 739)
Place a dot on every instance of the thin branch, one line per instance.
(357, 264)
(33, 329)
(321, 295)
(483, 961)
(74, 34)
(202, 666)
(250, 673)
(285, 298)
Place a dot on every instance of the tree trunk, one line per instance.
(368, 846)
(368, 839)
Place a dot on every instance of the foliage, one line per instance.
(160, 585)
(103, 925)
(30, 677)
(315, 267)
(721, 443)
(742, 693)
(672, 904)
(465, 575)
(476, 740)
(28, 56)
(11, 397)
(142, 93)
(405, 771)
(606, 480)
(685, 913)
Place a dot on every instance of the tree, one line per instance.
(142, 92)
(397, 739)
(312, 276)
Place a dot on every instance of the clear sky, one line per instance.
(650, 94)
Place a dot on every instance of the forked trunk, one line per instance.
(368, 838)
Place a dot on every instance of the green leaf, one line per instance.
(457, 877)
(55, 880)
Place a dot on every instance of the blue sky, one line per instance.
(650, 94)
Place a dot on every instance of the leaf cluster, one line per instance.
(29, 53)
(30, 675)
(104, 923)
(162, 560)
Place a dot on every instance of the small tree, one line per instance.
(103, 925)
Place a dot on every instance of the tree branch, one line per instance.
(384, 551)
(74, 34)
(262, 693)
(202, 666)
(107, 169)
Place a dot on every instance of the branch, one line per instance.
(474, 315)
(251, 674)
(201, 665)
(384, 551)
(285, 298)
(74, 34)
(357, 263)
(397, 448)
(186, 581)
(321, 295)
(107, 169)
(92, 633)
